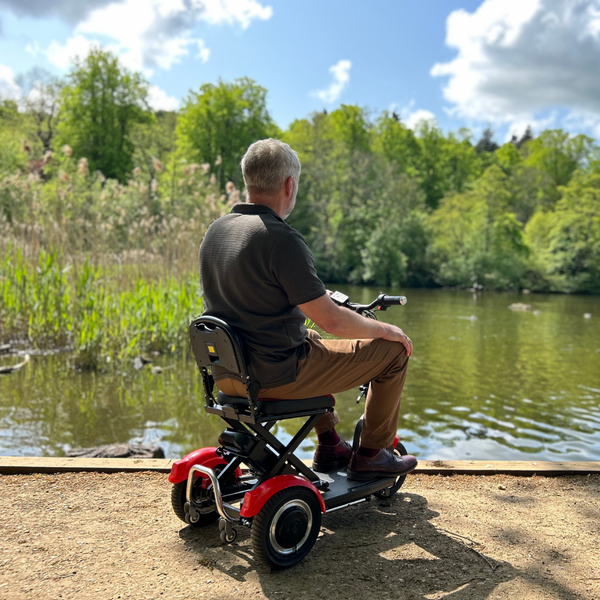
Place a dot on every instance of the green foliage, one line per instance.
(100, 106)
(397, 143)
(432, 163)
(52, 304)
(487, 143)
(508, 157)
(566, 241)
(476, 239)
(217, 124)
(12, 151)
(559, 154)
(122, 187)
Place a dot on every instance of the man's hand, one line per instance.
(395, 334)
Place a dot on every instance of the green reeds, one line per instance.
(51, 304)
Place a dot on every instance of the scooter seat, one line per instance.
(278, 407)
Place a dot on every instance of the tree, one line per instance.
(40, 100)
(560, 154)
(350, 128)
(432, 163)
(13, 154)
(154, 146)
(486, 143)
(100, 106)
(217, 124)
(395, 244)
(463, 165)
(508, 157)
(477, 239)
(526, 137)
(566, 241)
(397, 143)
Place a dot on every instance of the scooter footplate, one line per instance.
(343, 490)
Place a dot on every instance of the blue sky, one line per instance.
(464, 63)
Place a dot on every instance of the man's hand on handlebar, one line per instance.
(395, 334)
(334, 313)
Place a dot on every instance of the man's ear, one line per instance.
(289, 186)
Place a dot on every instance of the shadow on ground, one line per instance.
(382, 549)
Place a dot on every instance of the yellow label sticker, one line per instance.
(211, 349)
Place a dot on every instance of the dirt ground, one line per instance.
(93, 535)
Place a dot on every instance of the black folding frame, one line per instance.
(208, 334)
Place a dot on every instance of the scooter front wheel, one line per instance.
(286, 528)
(388, 492)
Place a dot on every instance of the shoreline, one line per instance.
(22, 465)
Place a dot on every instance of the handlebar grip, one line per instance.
(394, 300)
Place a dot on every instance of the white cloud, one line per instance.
(341, 78)
(229, 12)
(518, 126)
(149, 34)
(203, 51)
(9, 90)
(33, 49)
(412, 116)
(519, 59)
(75, 47)
(413, 119)
(160, 100)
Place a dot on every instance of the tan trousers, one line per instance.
(334, 366)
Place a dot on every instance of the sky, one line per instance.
(463, 63)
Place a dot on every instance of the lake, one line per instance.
(484, 383)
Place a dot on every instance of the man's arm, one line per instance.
(345, 323)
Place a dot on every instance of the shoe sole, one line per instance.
(329, 467)
(368, 475)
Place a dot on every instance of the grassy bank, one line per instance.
(99, 312)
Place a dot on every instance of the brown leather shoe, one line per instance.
(383, 464)
(330, 458)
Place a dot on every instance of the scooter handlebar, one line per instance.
(393, 300)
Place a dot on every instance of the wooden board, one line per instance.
(509, 467)
(18, 464)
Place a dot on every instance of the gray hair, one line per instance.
(267, 164)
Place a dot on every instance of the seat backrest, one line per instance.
(215, 343)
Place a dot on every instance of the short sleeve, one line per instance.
(294, 268)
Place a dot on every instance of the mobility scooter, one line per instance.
(252, 479)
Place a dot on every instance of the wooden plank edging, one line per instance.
(15, 465)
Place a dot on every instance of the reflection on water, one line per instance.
(484, 383)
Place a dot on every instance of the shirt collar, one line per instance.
(247, 208)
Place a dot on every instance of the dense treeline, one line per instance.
(86, 165)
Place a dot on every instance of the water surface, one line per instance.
(484, 383)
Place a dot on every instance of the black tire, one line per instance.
(178, 501)
(286, 528)
(388, 492)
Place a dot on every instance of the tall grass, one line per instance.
(146, 221)
(105, 269)
(51, 303)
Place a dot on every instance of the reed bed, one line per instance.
(53, 304)
(107, 270)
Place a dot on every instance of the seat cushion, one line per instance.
(278, 407)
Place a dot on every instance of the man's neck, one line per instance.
(275, 203)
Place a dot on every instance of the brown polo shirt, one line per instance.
(254, 270)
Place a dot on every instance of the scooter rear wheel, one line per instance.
(286, 528)
(388, 492)
(178, 500)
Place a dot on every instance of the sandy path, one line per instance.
(92, 535)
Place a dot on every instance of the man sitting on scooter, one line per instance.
(258, 275)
